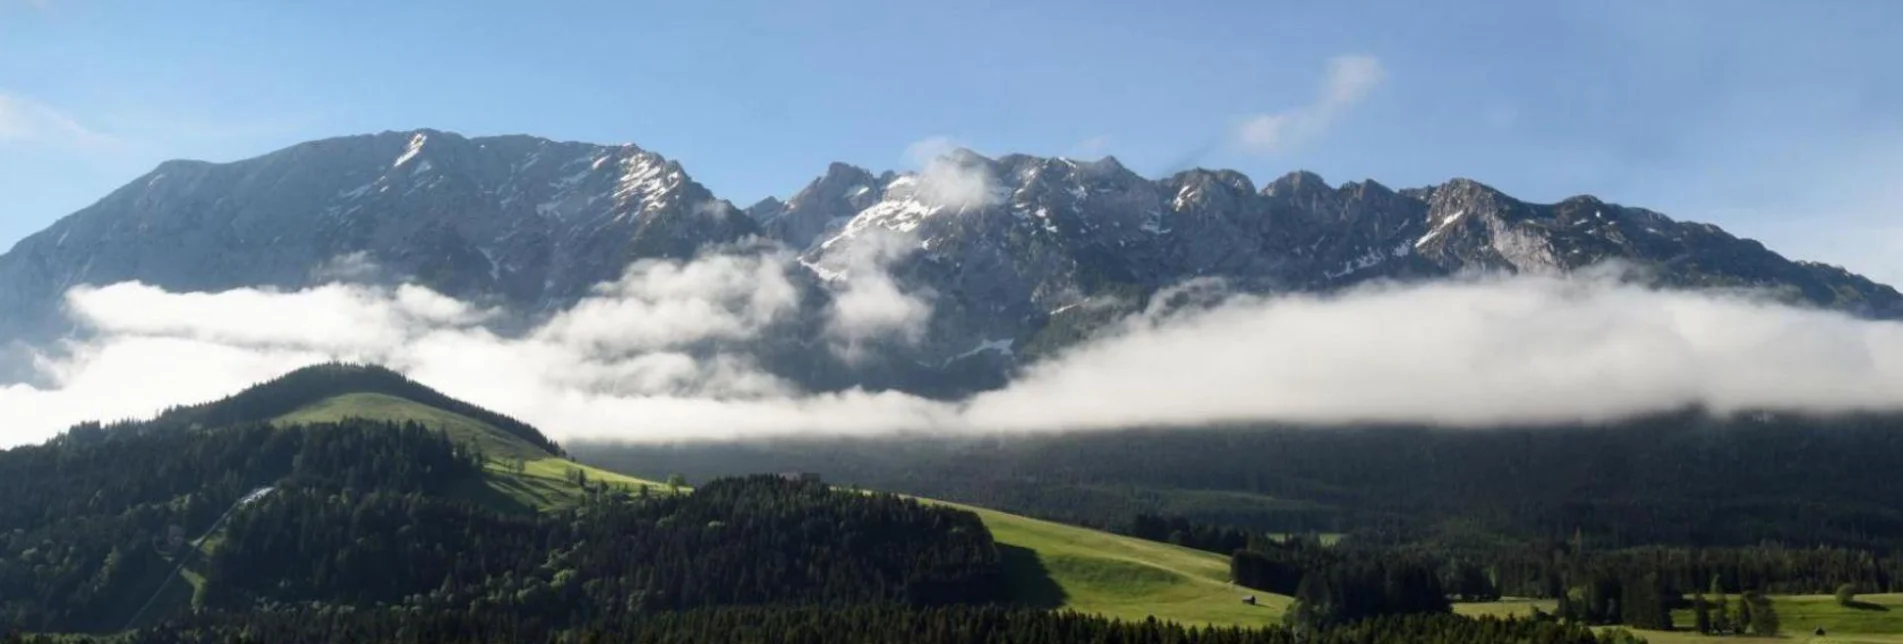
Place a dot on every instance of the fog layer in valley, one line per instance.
(1479, 351)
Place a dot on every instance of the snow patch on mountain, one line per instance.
(415, 147)
(1445, 222)
(1001, 347)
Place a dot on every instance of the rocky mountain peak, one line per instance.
(1106, 165)
(1366, 189)
(1198, 185)
(821, 206)
(1003, 246)
(1297, 185)
(838, 173)
(1462, 194)
(1191, 192)
(965, 157)
(530, 221)
(1305, 193)
(766, 209)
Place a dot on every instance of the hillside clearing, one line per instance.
(1052, 565)
(541, 483)
(1875, 619)
(493, 442)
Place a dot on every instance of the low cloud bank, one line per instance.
(621, 364)
(1488, 351)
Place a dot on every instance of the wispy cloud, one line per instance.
(348, 267)
(923, 152)
(1091, 147)
(1345, 83)
(950, 174)
(869, 305)
(23, 120)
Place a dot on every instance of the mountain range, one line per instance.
(1016, 255)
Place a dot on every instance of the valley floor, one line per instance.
(1876, 619)
(1060, 566)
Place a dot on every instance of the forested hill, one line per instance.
(311, 385)
(93, 532)
(107, 535)
(364, 516)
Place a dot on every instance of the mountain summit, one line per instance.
(1009, 247)
(529, 221)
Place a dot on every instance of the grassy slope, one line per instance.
(542, 483)
(1061, 566)
(1508, 607)
(1879, 621)
(1874, 614)
(494, 442)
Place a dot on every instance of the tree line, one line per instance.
(1634, 586)
(858, 624)
(1335, 586)
(1537, 569)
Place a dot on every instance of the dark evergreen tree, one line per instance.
(1764, 620)
(1722, 622)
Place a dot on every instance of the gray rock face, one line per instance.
(1018, 255)
(1059, 234)
(523, 221)
(817, 208)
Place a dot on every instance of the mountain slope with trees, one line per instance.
(332, 524)
(370, 514)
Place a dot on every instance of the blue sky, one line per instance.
(1778, 120)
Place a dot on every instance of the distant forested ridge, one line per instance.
(1536, 569)
(1679, 480)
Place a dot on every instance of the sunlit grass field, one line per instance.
(1060, 566)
